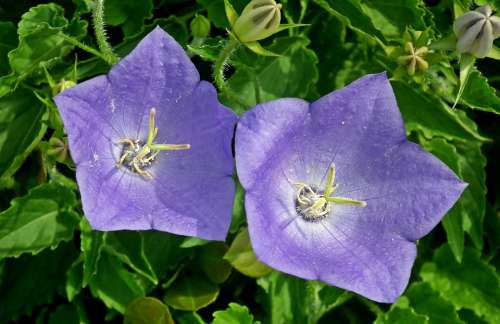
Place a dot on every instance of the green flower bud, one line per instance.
(476, 30)
(415, 58)
(61, 86)
(260, 19)
(58, 148)
(200, 26)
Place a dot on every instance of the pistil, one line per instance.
(137, 156)
(314, 205)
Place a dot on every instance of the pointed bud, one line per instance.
(260, 19)
(476, 30)
(200, 26)
(58, 148)
(414, 59)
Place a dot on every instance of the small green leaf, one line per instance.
(190, 242)
(64, 314)
(233, 314)
(39, 220)
(91, 246)
(351, 13)
(22, 126)
(211, 262)
(210, 49)
(8, 41)
(147, 310)
(478, 94)
(258, 49)
(189, 318)
(231, 14)
(191, 293)
(242, 257)
(427, 113)
(114, 284)
(128, 246)
(130, 14)
(473, 284)
(74, 282)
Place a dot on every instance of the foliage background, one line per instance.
(55, 269)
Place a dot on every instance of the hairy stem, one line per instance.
(84, 47)
(100, 33)
(221, 62)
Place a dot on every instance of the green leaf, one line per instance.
(114, 284)
(217, 11)
(30, 281)
(147, 310)
(467, 214)
(67, 314)
(128, 246)
(162, 251)
(74, 282)
(40, 39)
(39, 220)
(473, 284)
(209, 50)
(242, 257)
(426, 301)
(211, 262)
(259, 50)
(392, 17)
(130, 14)
(289, 299)
(8, 41)
(91, 246)
(231, 14)
(233, 314)
(478, 94)
(426, 113)
(22, 126)
(398, 315)
(351, 13)
(453, 220)
(190, 318)
(191, 293)
(260, 78)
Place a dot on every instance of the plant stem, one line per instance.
(100, 33)
(221, 62)
(84, 47)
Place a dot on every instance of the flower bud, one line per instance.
(200, 26)
(61, 86)
(414, 58)
(476, 30)
(260, 19)
(58, 148)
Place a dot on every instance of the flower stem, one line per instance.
(221, 62)
(84, 47)
(100, 33)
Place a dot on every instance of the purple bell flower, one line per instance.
(335, 192)
(152, 144)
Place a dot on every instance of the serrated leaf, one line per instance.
(351, 13)
(242, 257)
(40, 39)
(392, 17)
(473, 284)
(22, 126)
(397, 315)
(74, 282)
(426, 301)
(428, 114)
(147, 310)
(235, 313)
(39, 220)
(260, 78)
(191, 293)
(130, 14)
(478, 94)
(210, 49)
(30, 281)
(114, 284)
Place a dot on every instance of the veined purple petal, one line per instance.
(284, 144)
(191, 190)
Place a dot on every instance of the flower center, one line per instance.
(314, 205)
(137, 155)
